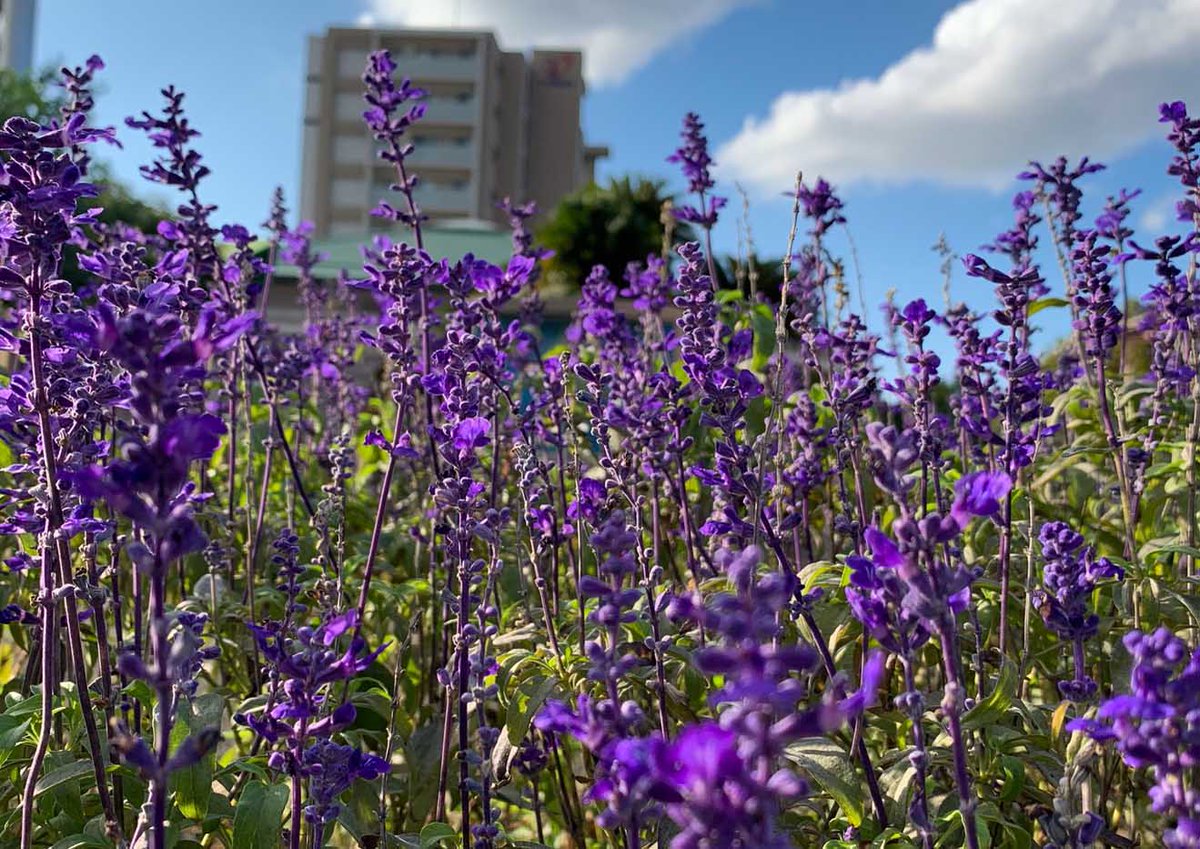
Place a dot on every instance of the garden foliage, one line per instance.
(704, 575)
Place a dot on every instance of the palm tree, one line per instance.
(610, 225)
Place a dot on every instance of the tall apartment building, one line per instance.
(16, 34)
(498, 124)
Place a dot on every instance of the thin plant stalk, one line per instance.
(62, 551)
(49, 641)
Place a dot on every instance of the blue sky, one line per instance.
(919, 111)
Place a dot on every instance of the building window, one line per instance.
(347, 193)
(350, 149)
(348, 106)
(351, 63)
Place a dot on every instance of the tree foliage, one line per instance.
(610, 225)
(30, 96)
(39, 98)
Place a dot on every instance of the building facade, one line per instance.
(498, 124)
(16, 34)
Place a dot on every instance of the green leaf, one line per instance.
(422, 753)
(435, 833)
(763, 323)
(140, 691)
(193, 785)
(258, 818)
(826, 763)
(1149, 550)
(1189, 601)
(954, 831)
(12, 732)
(1017, 837)
(1046, 303)
(992, 709)
(59, 777)
(522, 711)
(79, 841)
(29, 706)
(1014, 778)
(360, 813)
(256, 766)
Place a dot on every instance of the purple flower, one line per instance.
(1185, 138)
(762, 708)
(821, 206)
(725, 392)
(1072, 572)
(979, 494)
(471, 433)
(596, 311)
(627, 776)
(391, 111)
(693, 156)
(1099, 320)
(1058, 183)
(704, 756)
(331, 769)
(592, 496)
(1157, 726)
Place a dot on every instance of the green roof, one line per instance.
(345, 252)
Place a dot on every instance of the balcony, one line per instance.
(435, 154)
(445, 197)
(449, 110)
(427, 66)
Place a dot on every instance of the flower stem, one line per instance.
(952, 706)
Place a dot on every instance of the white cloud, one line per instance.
(1158, 214)
(617, 36)
(1003, 81)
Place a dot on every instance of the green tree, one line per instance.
(610, 225)
(733, 273)
(39, 98)
(34, 97)
(119, 203)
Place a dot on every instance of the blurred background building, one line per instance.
(16, 34)
(499, 124)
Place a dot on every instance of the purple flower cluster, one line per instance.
(735, 782)
(724, 781)
(915, 322)
(1057, 184)
(149, 485)
(913, 588)
(1157, 725)
(1185, 138)
(1099, 320)
(693, 157)
(392, 110)
(1071, 574)
(821, 206)
(303, 662)
(701, 531)
(710, 358)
